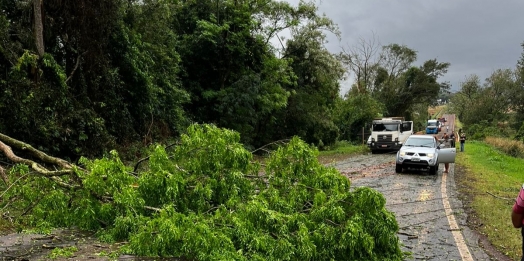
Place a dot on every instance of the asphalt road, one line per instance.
(430, 215)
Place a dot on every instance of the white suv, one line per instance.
(423, 151)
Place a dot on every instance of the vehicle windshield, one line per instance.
(385, 127)
(432, 124)
(417, 142)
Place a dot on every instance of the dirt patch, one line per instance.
(466, 195)
(31, 246)
(367, 171)
(327, 159)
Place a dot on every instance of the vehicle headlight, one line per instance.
(402, 153)
(431, 155)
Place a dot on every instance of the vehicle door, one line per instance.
(446, 155)
(407, 130)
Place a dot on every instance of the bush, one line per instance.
(520, 133)
(208, 200)
(513, 148)
(484, 129)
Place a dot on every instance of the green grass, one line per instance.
(340, 151)
(492, 180)
(343, 147)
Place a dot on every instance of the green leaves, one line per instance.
(206, 199)
(350, 115)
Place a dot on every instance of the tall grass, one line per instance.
(437, 111)
(513, 148)
(492, 179)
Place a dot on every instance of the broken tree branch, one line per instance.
(4, 176)
(499, 197)
(67, 168)
(34, 165)
(278, 142)
(34, 152)
(135, 169)
(76, 66)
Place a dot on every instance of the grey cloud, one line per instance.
(476, 37)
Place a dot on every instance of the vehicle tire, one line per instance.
(433, 170)
(398, 168)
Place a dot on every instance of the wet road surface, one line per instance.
(430, 216)
(417, 200)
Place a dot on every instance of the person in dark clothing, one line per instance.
(462, 141)
(445, 137)
(452, 139)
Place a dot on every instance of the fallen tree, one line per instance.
(205, 198)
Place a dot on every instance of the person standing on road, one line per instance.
(452, 139)
(517, 216)
(462, 141)
(445, 137)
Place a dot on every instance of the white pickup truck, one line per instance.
(423, 151)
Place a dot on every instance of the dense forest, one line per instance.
(83, 77)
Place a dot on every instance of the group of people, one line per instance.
(451, 139)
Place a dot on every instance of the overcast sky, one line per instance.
(475, 36)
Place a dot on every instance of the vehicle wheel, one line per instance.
(433, 170)
(398, 168)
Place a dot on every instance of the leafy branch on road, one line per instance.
(205, 199)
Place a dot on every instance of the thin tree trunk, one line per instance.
(39, 27)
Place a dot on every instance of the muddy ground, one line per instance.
(415, 197)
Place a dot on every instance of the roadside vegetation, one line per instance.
(491, 181)
(512, 148)
(346, 148)
(437, 111)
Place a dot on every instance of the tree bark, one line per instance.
(39, 27)
(44, 168)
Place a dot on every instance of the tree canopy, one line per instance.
(492, 107)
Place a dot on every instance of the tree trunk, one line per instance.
(39, 27)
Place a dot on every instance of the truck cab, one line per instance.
(432, 127)
(388, 134)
